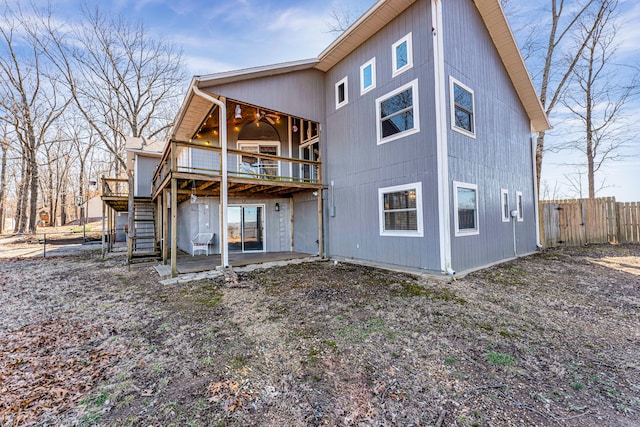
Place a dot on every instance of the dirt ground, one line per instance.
(550, 339)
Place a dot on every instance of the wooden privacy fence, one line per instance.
(582, 221)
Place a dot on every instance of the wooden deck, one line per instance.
(194, 264)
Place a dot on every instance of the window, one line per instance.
(342, 92)
(402, 53)
(400, 210)
(257, 167)
(462, 108)
(397, 113)
(504, 200)
(368, 76)
(465, 200)
(519, 205)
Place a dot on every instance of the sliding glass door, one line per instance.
(246, 228)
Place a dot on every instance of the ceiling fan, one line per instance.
(272, 118)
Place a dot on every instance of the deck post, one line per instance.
(165, 226)
(104, 211)
(320, 233)
(174, 227)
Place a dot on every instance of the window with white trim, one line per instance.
(400, 210)
(520, 205)
(402, 55)
(504, 203)
(465, 201)
(397, 113)
(368, 76)
(462, 108)
(342, 92)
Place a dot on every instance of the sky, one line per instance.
(220, 36)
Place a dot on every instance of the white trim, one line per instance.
(413, 85)
(506, 217)
(395, 70)
(467, 232)
(520, 206)
(417, 186)
(345, 101)
(442, 155)
(452, 109)
(372, 63)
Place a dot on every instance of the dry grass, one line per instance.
(551, 339)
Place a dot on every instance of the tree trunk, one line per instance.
(33, 201)
(63, 206)
(23, 192)
(3, 185)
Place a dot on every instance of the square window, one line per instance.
(400, 210)
(462, 108)
(342, 92)
(402, 54)
(520, 205)
(397, 113)
(368, 76)
(504, 199)
(465, 200)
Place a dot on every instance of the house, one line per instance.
(406, 143)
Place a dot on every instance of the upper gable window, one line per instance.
(342, 92)
(397, 113)
(462, 108)
(368, 76)
(402, 53)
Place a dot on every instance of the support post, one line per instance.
(174, 227)
(320, 233)
(102, 247)
(165, 226)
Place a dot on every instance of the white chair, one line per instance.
(201, 243)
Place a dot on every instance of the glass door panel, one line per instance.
(252, 231)
(234, 227)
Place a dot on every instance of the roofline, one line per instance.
(254, 72)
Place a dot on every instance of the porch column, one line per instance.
(320, 234)
(104, 210)
(165, 226)
(174, 227)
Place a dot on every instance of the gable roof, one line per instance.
(494, 19)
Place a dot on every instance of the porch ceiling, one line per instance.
(196, 110)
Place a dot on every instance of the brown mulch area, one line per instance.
(550, 339)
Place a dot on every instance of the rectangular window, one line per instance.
(342, 92)
(402, 54)
(519, 205)
(397, 113)
(400, 210)
(504, 200)
(462, 108)
(368, 76)
(465, 200)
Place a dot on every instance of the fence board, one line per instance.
(583, 221)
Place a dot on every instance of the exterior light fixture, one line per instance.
(277, 207)
(238, 111)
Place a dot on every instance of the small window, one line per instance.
(400, 210)
(519, 205)
(462, 108)
(504, 200)
(342, 92)
(368, 76)
(397, 113)
(402, 53)
(465, 199)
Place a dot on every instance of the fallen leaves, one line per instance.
(46, 368)
(232, 394)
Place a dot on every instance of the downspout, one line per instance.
(444, 220)
(536, 211)
(224, 252)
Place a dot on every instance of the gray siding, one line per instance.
(145, 168)
(305, 223)
(299, 93)
(500, 155)
(358, 167)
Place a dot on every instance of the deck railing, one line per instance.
(204, 159)
(115, 187)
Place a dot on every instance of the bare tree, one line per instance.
(598, 95)
(29, 94)
(123, 82)
(4, 147)
(341, 18)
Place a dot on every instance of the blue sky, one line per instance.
(225, 35)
